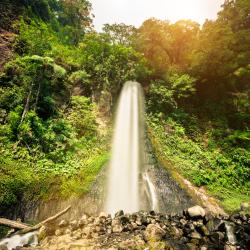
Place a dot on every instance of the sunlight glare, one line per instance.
(135, 12)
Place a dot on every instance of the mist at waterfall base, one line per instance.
(135, 179)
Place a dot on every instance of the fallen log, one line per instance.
(36, 227)
(14, 224)
(25, 228)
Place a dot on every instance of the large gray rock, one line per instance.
(196, 211)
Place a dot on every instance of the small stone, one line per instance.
(82, 222)
(118, 228)
(138, 221)
(191, 226)
(217, 236)
(97, 221)
(174, 232)
(68, 231)
(183, 222)
(203, 230)
(58, 232)
(103, 215)
(124, 219)
(152, 213)
(196, 211)
(84, 217)
(77, 234)
(87, 231)
(154, 232)
(243, 217)
(63, 223)
(191, 246)
(73, 224)
(134, 225)
(244, 206)
(214, 224)
(204, 248)
(91, 220)
(119, 213)
(158, 245)
(229, 247)
(195, 235)
(99, 229)
(129, 227)
(195, 241)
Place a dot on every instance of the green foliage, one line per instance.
(82, 116)
(109, 65)
(81, 183)
(69, 18)
(120, 33)
(164, 96)
(81, 80)
(35, 38)
(196, 81)
(166, 45)
(223, 170)
(161, 97)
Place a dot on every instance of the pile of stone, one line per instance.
(149, 230)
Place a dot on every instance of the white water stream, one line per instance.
(16, 241)
(152, 192)
(123, 183)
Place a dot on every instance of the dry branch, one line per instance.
(14, 224)
(26, 230)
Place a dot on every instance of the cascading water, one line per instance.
(135, 180)
(123, 183)
(17, 241)
(152, 194)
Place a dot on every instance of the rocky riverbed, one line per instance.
(195, 229)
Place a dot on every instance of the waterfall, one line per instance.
(152, 193)
(123, 182)
(135, 181)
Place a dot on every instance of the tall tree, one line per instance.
(120, 33)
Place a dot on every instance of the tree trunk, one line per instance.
(26, 108)
(14, 224)
(26, 230)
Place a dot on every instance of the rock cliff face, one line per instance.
(195, 229)
(6, 40)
